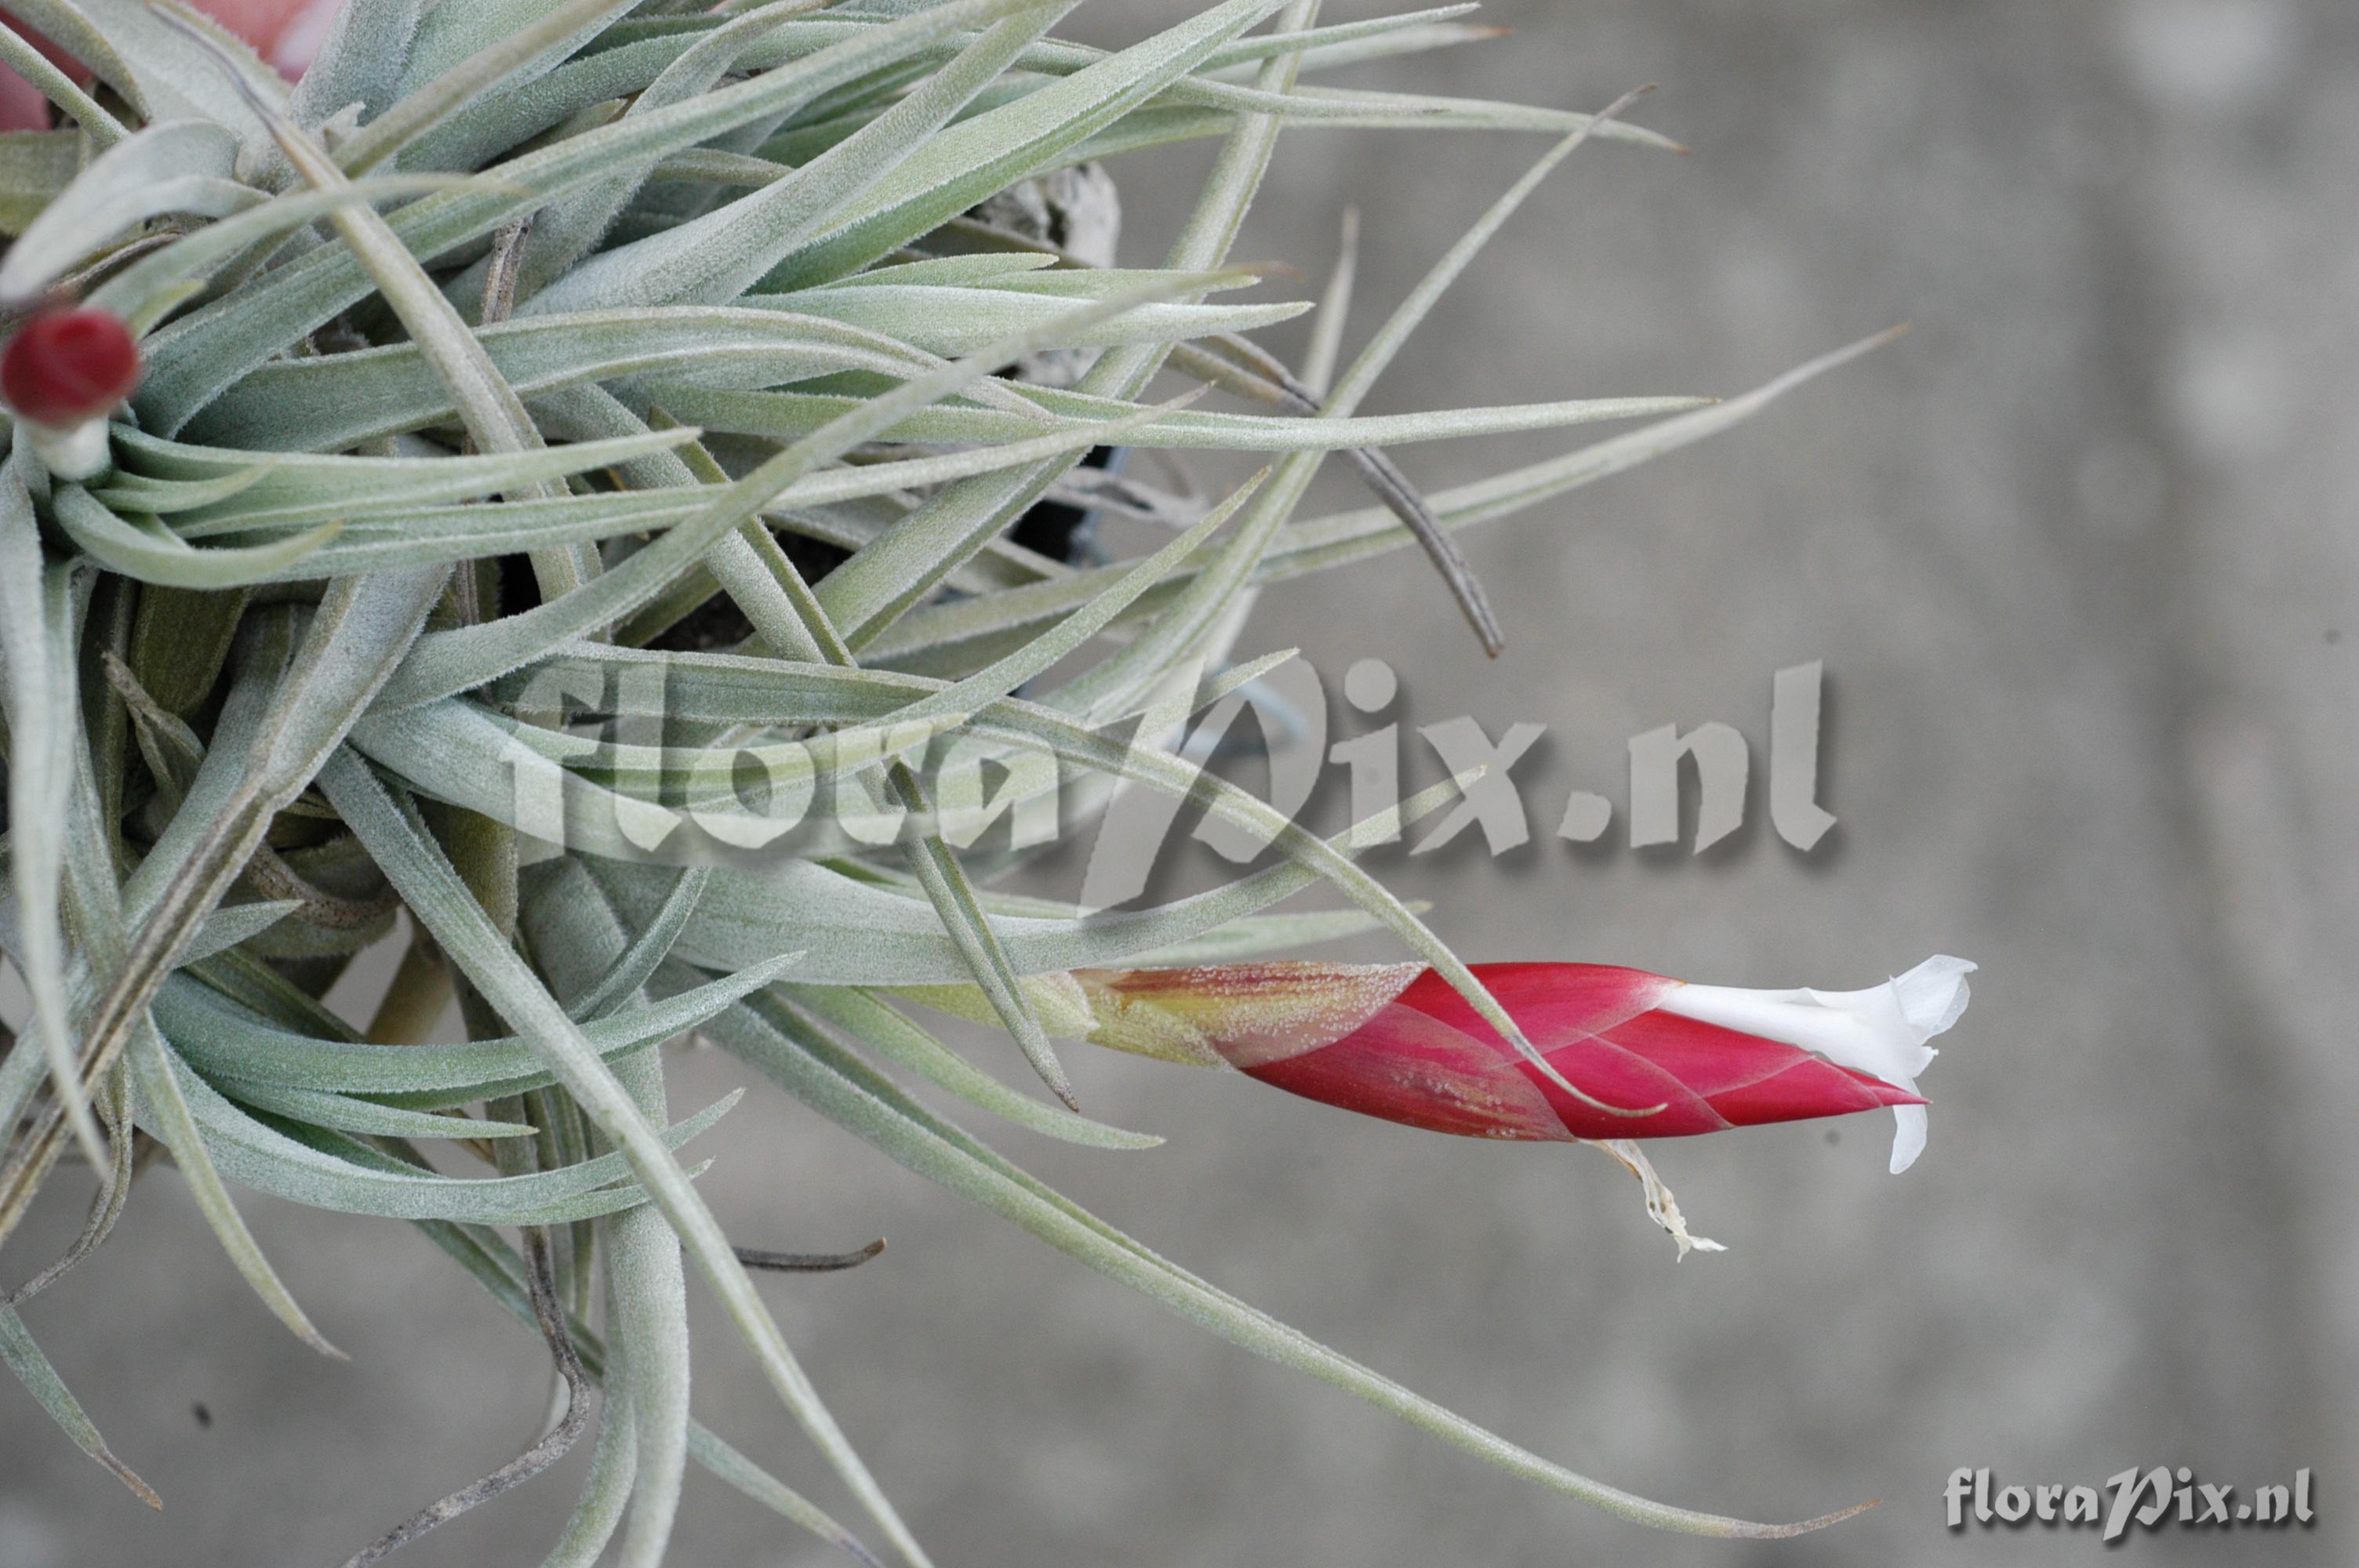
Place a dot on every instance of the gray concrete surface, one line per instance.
(2078, 555)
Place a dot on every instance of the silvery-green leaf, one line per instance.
(493, 1263)
(483, 131)
(903, 567)
(163, 71)
(90, 117)
(359, 61)
(298, 488)
(968, 161)
(486, 405)
(577, 938)
(275, 729)
(123, 491)
(831, 1081)
(42, 1380)
(885, 1030)
(1258, 935)
(565, 231)
(855, 932)
(1319, 543)
(1326, 346)
(1328, 43)
(1211, 84)
(289, 1166)
(717, 256)
(454, 661)
(444, 42)
(156, 555)
(164, 1110)
(511, 772)
(195, 359)
(955, 636)
(443, 904)
(520, 53)
(228, 926)
(618, 978)
(946, 319)
(782, 415)
(34, 166)
(981, 270)
(1162, 126)
(44, 724)
(181, 166)
(318, 1107)
(223, 1042)
(145, 291)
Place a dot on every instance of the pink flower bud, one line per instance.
(1398, 1042)
(64, 366)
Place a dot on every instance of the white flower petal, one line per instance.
(1880, 1030)
(1934, 993)
(1908, 1136)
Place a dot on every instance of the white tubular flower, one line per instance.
(1881, 1031)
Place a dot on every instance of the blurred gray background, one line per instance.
(2078, 555)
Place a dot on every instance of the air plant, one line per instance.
(545, 489)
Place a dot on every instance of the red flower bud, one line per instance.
(65, 366)
(1398, 1042)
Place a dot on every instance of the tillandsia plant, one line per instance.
(557, 485)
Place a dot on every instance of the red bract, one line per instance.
(1398, 1042)
(65, 366)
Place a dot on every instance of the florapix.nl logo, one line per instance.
(625, 758)
(2152, 1499)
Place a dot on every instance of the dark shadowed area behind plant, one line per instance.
(2079, 556)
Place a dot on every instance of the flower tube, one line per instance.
(1398, 1042)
